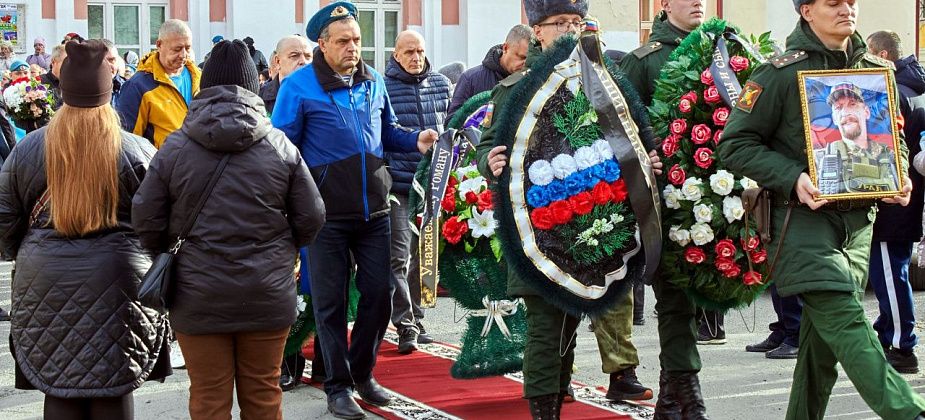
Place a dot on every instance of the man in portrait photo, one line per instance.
(856, 163)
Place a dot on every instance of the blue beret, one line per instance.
(539, 10)
(330, 13)
(217, 38)
(17, 64)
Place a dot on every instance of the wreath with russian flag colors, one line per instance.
(710, 253)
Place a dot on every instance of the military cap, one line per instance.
(328, 14)
(845, 89)
(539, 10)
(798, 3)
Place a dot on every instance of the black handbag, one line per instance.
(156, 287)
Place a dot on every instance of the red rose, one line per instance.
(484, 202)
(685, 106)
(601, 193)
(738, 63)
(676, 175)
(582, 203)
(670, 145)
(694, 255)
(711, 95)
(691, 97)
(733, 272)
(561, 212)
(725, 248)
(472, 197)
(541, 218)
(449, 203)
(701, 134)
(618, 189)
(452, 183)
(703, 157)
(717, 136)
(679, 126)
(720, 116)
(751, 278)
(724, 264)
(759, 257)
(706, 77)
(453, 230)
(751, 244)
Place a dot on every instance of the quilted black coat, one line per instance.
(420, 102)
(234, 272)
(77, 328)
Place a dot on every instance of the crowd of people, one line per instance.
(250, 153)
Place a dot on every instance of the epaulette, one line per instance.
(647, 49)
(513, 79)
(882, 62)
(787, 59)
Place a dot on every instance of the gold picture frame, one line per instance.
(852, 143)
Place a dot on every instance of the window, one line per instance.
(132, 26)
(648, 10)
(379, 24)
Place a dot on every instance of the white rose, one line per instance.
(563, 166)
(680, 236)
(748, 183)
(732, 208)
(691, 189)
(541, 173)
(472, 184)
(672, 197)
(603, 149)
(586, 157)
(703, 213)
(722, 182)
(701, 234)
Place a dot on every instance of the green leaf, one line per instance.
(469, 246)
(465, 214)
(495, 244)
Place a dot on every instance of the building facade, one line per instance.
(455, 30)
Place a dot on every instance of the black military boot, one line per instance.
(546, 407)
(687, 390)
(667, 407)
(624, 385)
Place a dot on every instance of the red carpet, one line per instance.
(422, 383)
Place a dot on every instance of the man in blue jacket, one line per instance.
(337, 112)
(420, 97)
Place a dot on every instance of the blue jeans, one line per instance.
(329, 259)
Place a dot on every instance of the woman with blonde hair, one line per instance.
(78, 333)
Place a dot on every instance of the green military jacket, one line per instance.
(643, 66)
(764, 140)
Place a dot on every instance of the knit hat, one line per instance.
(217, 38)
(39, 41)
(230, 64)
(798, 3)
(327, 15)
(86, 78)
(539, 10)
(17, 64)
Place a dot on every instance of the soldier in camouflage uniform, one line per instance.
(826, 247)
(854, 164)
(679, 387)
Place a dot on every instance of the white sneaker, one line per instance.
(176, 357)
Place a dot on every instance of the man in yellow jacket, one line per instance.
(154, 102)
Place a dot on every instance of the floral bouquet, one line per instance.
(29, 102)
(470, 263)
(711, 252)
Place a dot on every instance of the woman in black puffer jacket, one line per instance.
(234, 295)
(78, 332)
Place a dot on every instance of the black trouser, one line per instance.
(114, 408)
(329, 262)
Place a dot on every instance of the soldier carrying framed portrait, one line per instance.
(852, 138)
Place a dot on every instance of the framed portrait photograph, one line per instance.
(852, 142)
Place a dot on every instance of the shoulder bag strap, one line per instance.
(202, 201)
